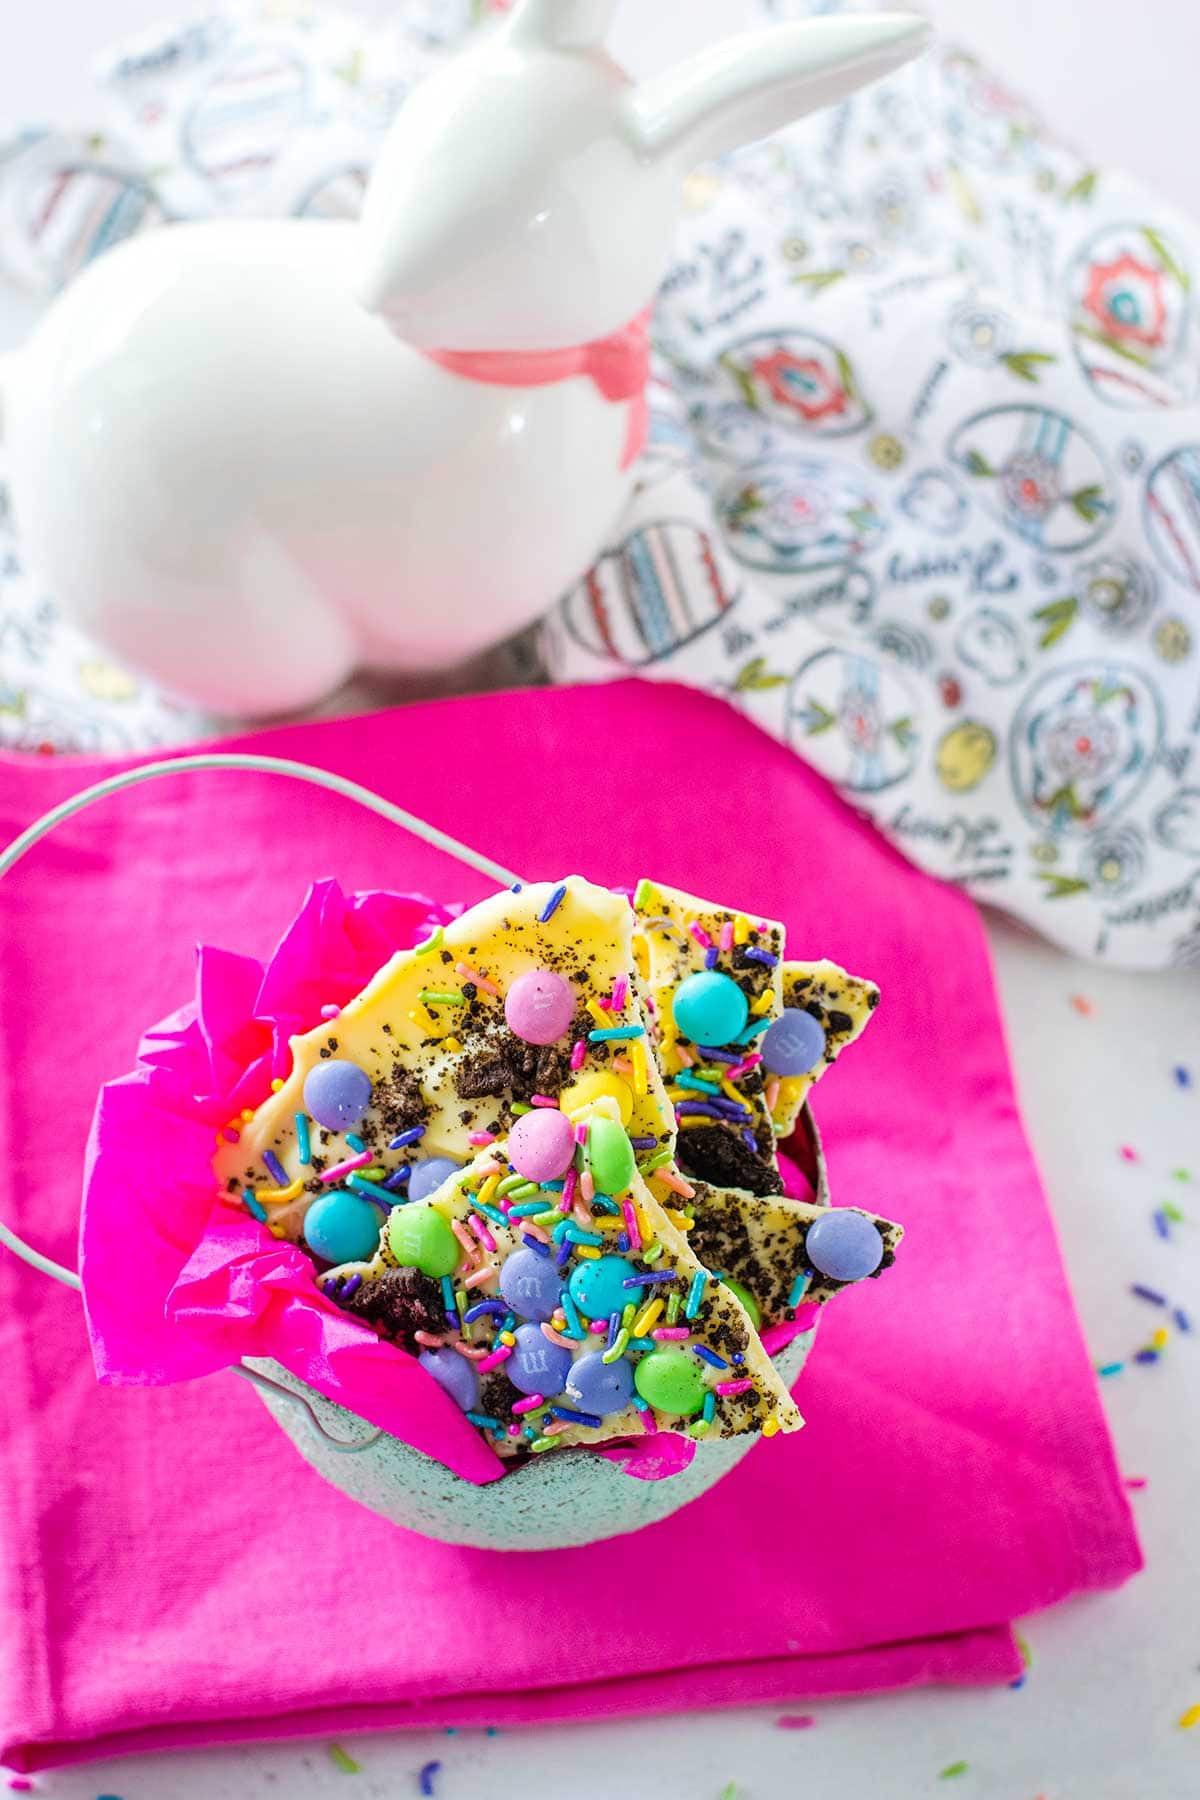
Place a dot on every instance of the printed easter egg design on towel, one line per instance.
(65, 201)
(933, 501)
(1177, 822)
(854, 718)
(731, 430)
(658, 590)
(1083, 744)
(991, 642)
(242, 120)
(796, 380)
(335, 196)
(799, 514)
(965, 754)
(984, 121)
(1118, 591)
(1113, 859)
(1039, 474)
(1172, 513)
(1130, 310)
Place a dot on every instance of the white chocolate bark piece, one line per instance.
(716, 1084)
(550, 1279)
(446, 1071)
(842, 1004)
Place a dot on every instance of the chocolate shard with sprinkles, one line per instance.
(842, 1005)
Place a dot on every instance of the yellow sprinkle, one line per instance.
(641, 1074)
(506, 1337)
(603, 1019)
(606, 1224)
(488, 1189)
(279, 1196)
(420, 1017)
(730, 1092)
(451, 1043)
(679, 1220)
(247, 1114)
(589, 1251)
(277, 1084)
(770, 1427)
(763, 1004)
(645, 1227)
(741, 929)
(277, 1231)
(648, 1318)
(1189, 1718)
(1161, 1338)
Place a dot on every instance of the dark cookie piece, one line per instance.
(497, 1395)
(399, 1101)
(719, 1156)
(511, 1068)
(399, 1304)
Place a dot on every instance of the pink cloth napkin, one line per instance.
(172, 1573)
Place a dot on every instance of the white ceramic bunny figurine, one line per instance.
(251, 457)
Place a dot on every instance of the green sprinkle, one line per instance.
(345, 1763)
(674, 1302)
(509, 1183)
(1113, 1368)
(652, 1254)
(1173, 1213)
(620, 1345)
(657, 1161)
(953, 1769)
(460, 1302)
(546, 1219)
(698, 1428)
(627, 1312)
(433, 942)
(518, 1108)
(729, 1791)
(543, 1443)
(1023, 1647)
(643, 893)
(441, 997)
(523, 1192)
(1182, 1174)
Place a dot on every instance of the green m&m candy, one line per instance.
(610, 1156)
(747, 1299)
(419, 1238)
(670, 1381)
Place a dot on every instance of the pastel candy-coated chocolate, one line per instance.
(596, 1085)
(747, 1299)
(599, 1387)
(710, 1008)
(670, 1381)
(610, 1156)
(537, 1366)
(337, 1093)
(342, 1227)
(454, 1373)
(794, 1043)
(419, 1238)
(844, 1245)
(541, 1144)
(428, 1176)
(598, 1288)
(530, 1285)
(539, 1006)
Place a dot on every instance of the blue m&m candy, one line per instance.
(598, 1288)
(843, 1244)
(530, 1285)
(599, 1387)
(337, 1093)
(537, 1366)
(710, 1008)
(429, 1175)
(453, 1372)
(342, 1227)
(794, 1044)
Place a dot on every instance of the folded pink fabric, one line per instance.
(955, 1472)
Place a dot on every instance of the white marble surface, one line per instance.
(1098, 1717)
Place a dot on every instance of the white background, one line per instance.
(1098, 1716)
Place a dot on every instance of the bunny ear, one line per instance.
(563, 24)
(747, 87)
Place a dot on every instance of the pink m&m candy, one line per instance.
(541, 1144)
(539, 1006)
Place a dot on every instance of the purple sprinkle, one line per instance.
(643, 1143)
(554, 902)
(1150, 1294)
(485, 1306)
(397, 1178)
(623, 1241)
(565, 1250)
(351, 1287)
(430, 1769)
(710, 1053)
(651, 1275)
(1146, 1356)
(696, 1109)
(614, 1326)
(412, 1136)
(750, 1141)
(275, 1168)
(1181, 1319)
(576, 1418)
(535, 1244)
(1183, 1076)
(738, 1357)
(711, 956)
(761, 956)
(516, 887)
(1161, 1225)
(710, 1356)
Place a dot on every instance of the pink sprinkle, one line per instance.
(578, 1052)
(631, 1221)
(536, 1231)
(529, 1404)
(727, 935)
(1135, 1481)
(672, 1334)
(686, 1059)
(620, 993)
(771, 1095)
(542, 1100)
(648, 1425)
(480, 1138)
(743, 1068)
(701, 936)
(568, 1193)
(346, 1168)
(764, 927)
(622, 1065)
(472, 1352)
(481, 1231)
(565, 1343)
(671, 1178)
(430, 1339)
(581, 1132)
(598, 1327)
(734, 1387)
(495, 1359)
(555, 1426)
(587, 1185)
(464, 1237)
(514, 1431)
(1129, 1153)
(796, 1722)
(230, 1135)
(20, 1784)
(484, 1169)
(330, 1012)
(473, 975)
(583, 1216)
(478, 1277)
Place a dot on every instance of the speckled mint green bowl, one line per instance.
(549, 1503)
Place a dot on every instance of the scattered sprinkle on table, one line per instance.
(1147, 1293)
(1135, 1481)
(953, 1769)
(425, 1778)
(1189, 1718)
(344, 1761)
(1183, 1077)
(1083, 1005)
(1128, 1152)
(729, 1791)
(795, 1721)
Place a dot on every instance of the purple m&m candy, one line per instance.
(537, 1366)
(454, 1373)
(337, 1093)
(530, 1285)
(429, 1175)
(843, 1244)
(794, 1044)
(539, 1006)
(541, 1144)
(599, 1387)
